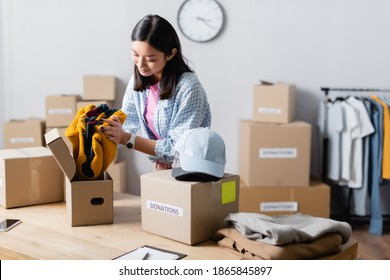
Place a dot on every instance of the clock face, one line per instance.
(200, 20)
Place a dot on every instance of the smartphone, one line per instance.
(7, 224)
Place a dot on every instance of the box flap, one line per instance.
(265, 83)
(61, 153)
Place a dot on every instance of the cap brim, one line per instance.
(182, 175)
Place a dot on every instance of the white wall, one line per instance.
(50, 44)
(2, 93)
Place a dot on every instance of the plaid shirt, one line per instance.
(188, 108)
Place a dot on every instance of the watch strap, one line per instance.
(131, 143)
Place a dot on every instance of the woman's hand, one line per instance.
(114, 131)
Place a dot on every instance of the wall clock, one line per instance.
(200, 20)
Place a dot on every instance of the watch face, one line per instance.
(129, 145)
(200, 20)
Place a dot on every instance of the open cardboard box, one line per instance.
(88, 202)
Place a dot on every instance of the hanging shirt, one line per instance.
(335, 125)
(364, 128)
(386, 138)
(351, 124)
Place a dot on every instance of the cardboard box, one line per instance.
(99, 87)
(87, 202)
(29, 176)
(274, 103)
(314, 201)
(117, 171)
(189, 212)
(60, 110)
(24, 133)
(275, 154)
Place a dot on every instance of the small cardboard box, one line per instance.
(274, 103)
(24, 133)
(87, 202)
(275, 154)
(99, 87)
(314, 201)
(60, 109)
(29, 176)
(189, 212)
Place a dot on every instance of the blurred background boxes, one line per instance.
(275, 154)
(60, 109)
(99, 87)
(314, 200)
(274, 103)
(24, 133)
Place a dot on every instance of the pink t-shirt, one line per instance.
(151, 105)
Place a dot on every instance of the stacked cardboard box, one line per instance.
(24, 133)
(275, 156)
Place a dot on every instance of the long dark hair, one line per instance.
(161, 35)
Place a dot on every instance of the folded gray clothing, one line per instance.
(284, 229)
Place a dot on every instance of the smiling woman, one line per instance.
(201, 20)
(164, 97)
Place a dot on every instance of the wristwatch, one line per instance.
(131, 143)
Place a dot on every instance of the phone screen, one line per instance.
(8, 224)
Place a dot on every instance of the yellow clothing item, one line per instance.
(92, 151)
(386, 139)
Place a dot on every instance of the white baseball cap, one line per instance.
(200, 156)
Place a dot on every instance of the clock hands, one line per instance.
(206, 21)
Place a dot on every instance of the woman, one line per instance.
(164, 97)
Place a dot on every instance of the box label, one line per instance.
(279, 206)
(19, 140)
(60, 111)
(165, 208)
(228, 192)
(278, 153)
(273, 111)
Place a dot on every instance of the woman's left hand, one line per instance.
(114, 130)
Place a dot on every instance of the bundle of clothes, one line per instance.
(286, 237)
(92, 151)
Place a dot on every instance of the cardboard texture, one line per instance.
(314, 200)
(60, 109)
(275, 154)
(61, 131)
(189, 212)
(99, 87)
(24, 133)
(274, 103)
(29, 176)
(87, 202)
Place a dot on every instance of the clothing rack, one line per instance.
(327, 89)
(346, 216)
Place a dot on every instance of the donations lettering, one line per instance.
(161, 207)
